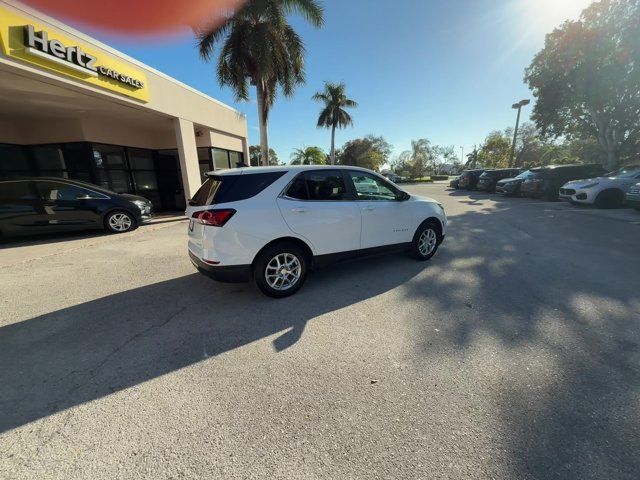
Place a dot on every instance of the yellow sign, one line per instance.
(28, 40)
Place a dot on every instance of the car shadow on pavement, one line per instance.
(558, 303)
(78, 354)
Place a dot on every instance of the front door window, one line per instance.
(371, 188)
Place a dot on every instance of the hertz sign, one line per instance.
(22, 38)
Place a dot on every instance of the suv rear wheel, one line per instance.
(280, 269)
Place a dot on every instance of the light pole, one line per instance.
(517, 106)
(462, 155)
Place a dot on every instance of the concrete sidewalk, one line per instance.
(25, 249)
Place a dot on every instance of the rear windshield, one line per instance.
(232, 188)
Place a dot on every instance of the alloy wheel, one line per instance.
(283, 271)
(427, 242)
(120, 222)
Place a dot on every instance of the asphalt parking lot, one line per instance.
(512, 354)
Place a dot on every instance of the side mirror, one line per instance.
(402, 196)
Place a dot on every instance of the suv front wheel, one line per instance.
(425, 241)
(280, 269)
(120, 222)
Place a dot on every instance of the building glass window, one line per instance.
(153, 174)
(140, 159)
(111, 172)
(14, 161)
(220, 158)
(170, 180)
(145, 180)
(235, 159)
(78, 161)
(143, 171)
(204, 162)
(49, 157)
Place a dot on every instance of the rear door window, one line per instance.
(64, 191)
(325, 185)
(298, 189)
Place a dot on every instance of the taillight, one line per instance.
(214, 218)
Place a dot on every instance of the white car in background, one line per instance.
(365, 184)
(275, 224)
(605, 192)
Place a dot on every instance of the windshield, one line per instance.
(527, 174)
(627, 172)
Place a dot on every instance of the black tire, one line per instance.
(415, 250)
(265, 259)
(120, 221)
(612, 198)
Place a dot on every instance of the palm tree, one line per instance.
(258, 47)
(333, 114)
(308, 156)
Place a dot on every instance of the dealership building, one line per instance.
(73, 107)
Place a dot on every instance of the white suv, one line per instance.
(607, 191)
(274, 224)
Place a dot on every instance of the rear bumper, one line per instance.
(226, 274)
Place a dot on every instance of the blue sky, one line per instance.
(446, 70)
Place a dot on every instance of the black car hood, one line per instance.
(133, 198)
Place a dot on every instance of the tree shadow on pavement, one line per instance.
(557, 301)
(64, 358)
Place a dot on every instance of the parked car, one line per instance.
(275, 224)
(393, 177)
(511, 186)
(469, 179)
(545, 182)
(633, 197)
(49, 205)
(453, 183)
(607, 191)
(365, 184)
(489, 178)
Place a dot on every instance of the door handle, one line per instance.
(368, 209)
(299, 210)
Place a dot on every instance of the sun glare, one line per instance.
(542, 16)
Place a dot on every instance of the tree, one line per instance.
(401, 164)
(254, 156)
(472, 158)
(494, 152)
(586, 79)
(333, 114)
(260, 48)
(308, 156)
(369, 152)
(421, 157)
(445, 156)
